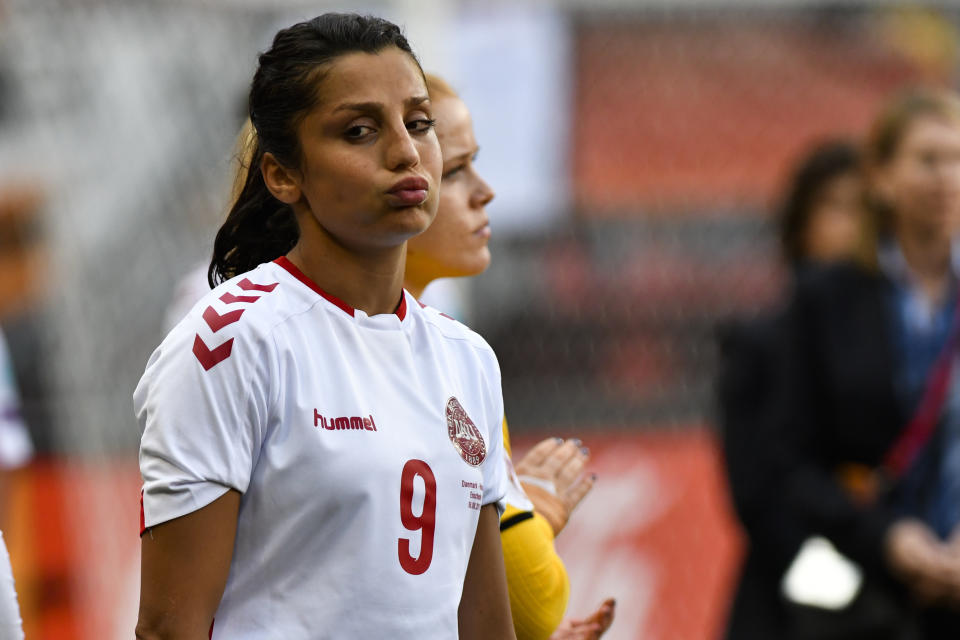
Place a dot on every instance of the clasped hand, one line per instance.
(930, 567)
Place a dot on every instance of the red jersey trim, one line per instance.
(401, 309)
(302, 277)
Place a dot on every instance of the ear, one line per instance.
(282, 182)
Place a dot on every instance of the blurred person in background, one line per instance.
(820, 222)
(868, 409)
(256, 507)
(551, 482)
(15, 450)
(16, 445)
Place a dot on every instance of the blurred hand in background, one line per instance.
(590, 628)
(552, 477)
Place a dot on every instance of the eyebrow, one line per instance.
(412, 101)
(472, 155)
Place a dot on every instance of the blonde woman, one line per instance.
(550, 481)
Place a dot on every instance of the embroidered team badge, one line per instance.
(464, 435)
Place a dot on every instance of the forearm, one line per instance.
(484, 612)
(184, 567)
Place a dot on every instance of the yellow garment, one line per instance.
(536, 578)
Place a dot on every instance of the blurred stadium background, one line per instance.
(636, 148)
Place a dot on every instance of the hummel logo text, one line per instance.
(344, 422)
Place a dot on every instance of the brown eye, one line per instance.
(421, 125)
(358, 132)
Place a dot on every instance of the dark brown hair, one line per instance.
(260, 228)
(826, 162)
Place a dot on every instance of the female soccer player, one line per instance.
(456, 245)
(321, 456)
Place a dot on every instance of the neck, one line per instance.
(415, 285)
(420, 272)
(370, 281)
(928, 256)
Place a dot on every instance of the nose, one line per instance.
(401, 151)
(482, 194)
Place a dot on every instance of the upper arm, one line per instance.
(536, 578)
(203, 406)
(484, 612)
(184, 567)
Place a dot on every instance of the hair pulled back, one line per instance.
(260, 228)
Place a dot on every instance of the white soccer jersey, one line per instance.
(364, 447)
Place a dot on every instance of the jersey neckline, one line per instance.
(292, 269)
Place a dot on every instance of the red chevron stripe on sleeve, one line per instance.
(216, 321)
(229, 298)
(246, 285)
(210, 358)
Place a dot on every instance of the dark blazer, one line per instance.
(749, 362)
(802, 394)
(837, 403)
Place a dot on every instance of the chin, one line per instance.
(478, 265)
(411, 222)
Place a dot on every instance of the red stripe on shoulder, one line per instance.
(217, 321)
(246, 285)
(209, 358)
(229, 298)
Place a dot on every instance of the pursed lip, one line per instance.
(410, 184)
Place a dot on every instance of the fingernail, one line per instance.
(593, 477)
(559, 440)
(585, 451)
(577, 441)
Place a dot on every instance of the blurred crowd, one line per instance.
(837, 404)
(840, 409)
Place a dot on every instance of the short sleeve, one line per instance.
(202, 407)
(515, 497)
(496, 476)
